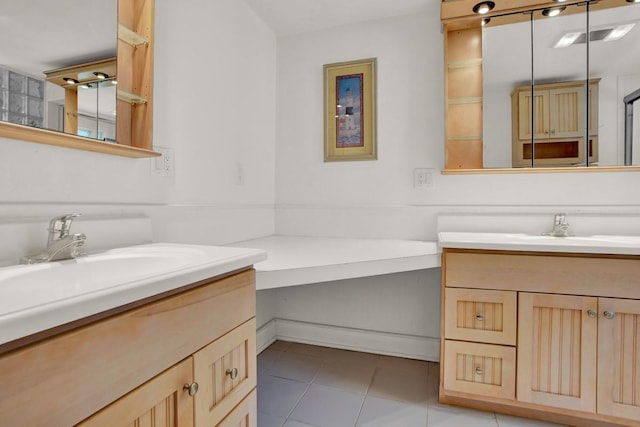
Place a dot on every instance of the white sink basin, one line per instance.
(604, 244)
(54, 293)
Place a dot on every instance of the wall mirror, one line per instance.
(504, 121)
(79, 76)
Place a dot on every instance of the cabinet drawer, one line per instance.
(480, 315)
(244, 415)
(226, 371)
(482, 369)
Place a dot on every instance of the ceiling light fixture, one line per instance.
(70, 81)
(618, 32)
(101, 75)
(633, 1)
(485, 21)
(553, 11)
(567, 40)
(483, 7)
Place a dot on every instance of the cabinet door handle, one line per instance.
(191, 388)
(232, 373)
(592, 313)
(480, 317)
(609, 314)
(479, 371)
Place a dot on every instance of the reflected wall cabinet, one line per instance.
(548, 336)
(554, 121)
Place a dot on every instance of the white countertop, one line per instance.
(595, 244)
(38, 297)
(297, 260)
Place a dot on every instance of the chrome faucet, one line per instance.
(60, 244)
(560, 226)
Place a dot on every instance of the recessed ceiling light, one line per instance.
(101, 75)
(483, 7)
(485, 21)
(633, 1)
(619, 32)
(567, 40)
(70, 80)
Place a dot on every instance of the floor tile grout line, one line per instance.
(375, 369)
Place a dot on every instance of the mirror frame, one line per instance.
(135, 90)
(462, 32)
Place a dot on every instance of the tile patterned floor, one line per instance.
(301, 385)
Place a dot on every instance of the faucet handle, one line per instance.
(60, 225)
(560, 219)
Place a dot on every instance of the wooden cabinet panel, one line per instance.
(557, 350)
(619, 358)
(542, 273)
(566, 107)
(244, 415)
(540, 127)
(483, 369)
(161, 402)
(77, 373)
(480, 315)
(226, 372)
(551, 125)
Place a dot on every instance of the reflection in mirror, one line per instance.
(564, 59)
(631, 126)
(558, 111)
(506, 64)
(45, 36)
(614, 57)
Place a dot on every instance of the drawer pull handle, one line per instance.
(609, 314)
(592, 313)
(191, 388)
(232, 373)
(480, 317)
(479, 371)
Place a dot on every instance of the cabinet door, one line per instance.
(483, 369)
(160, 402)
(480, 315)
(557, 350)
(244, 415)
(566, 112)
(540, 127)
(226, 373)
(619, 358)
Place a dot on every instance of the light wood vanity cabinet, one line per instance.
(576, 359)
(140, 367)
(558, 126)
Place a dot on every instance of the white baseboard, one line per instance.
(409, 346)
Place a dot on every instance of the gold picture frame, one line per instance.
(350, 111)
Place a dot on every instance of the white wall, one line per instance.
(214, 106)
(376, 199)
(337, 198)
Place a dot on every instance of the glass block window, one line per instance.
(21, 98)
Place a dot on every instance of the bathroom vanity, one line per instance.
(542, 327)
(180, 353)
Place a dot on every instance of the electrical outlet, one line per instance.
(165, 164)
(423, 178)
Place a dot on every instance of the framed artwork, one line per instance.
(350, 111)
